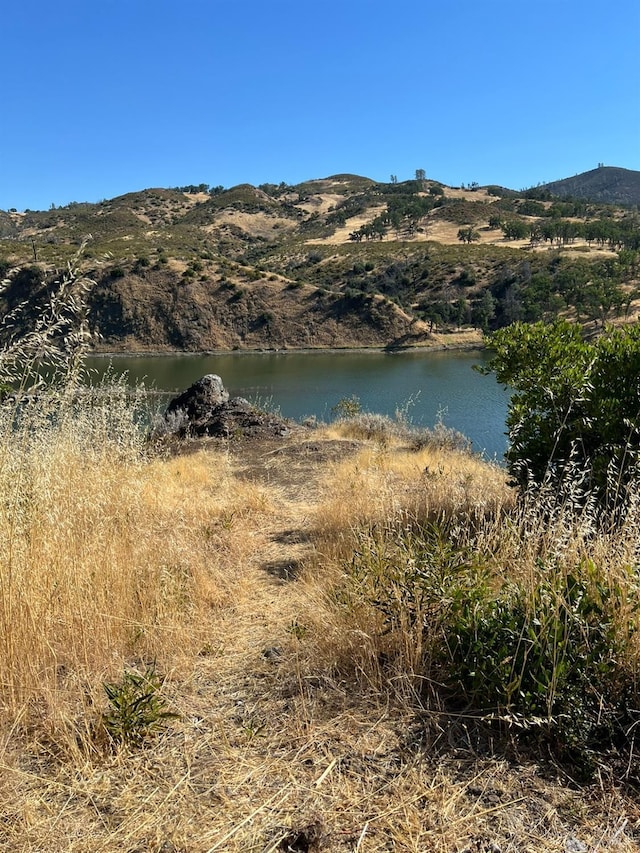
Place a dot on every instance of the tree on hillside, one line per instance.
(421, 175)
(574, 418)
(461, 312)
(468, 235)
(484, 311)
(515, 229)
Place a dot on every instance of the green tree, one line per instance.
(484, 311)
(468, 235)
(515, 229)
(421, 175)
(574, 417)
(461, 312)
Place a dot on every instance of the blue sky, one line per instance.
(103, 98)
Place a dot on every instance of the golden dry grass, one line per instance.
(112, 557)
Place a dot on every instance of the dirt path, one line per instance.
(294, 472)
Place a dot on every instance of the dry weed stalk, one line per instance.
(55, 340)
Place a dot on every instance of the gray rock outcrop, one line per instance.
(202, 397)
(205, 409)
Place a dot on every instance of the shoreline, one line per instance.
(462, 347)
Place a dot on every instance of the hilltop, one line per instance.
(341, 261)
(606, 184)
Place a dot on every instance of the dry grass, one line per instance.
(384, 482)
(108, 557)
(388, 484)
(112, 557)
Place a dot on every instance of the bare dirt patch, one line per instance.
(258, 224)
(341, 234)
(469, 195)
(322, 203)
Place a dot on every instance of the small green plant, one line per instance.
(253, 726)
(297, 630)
(137, 711)
(347, 407)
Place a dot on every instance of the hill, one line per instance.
(340, 261)
(606, 184)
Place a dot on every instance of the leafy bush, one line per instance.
(136, 709)
(543, 658)
(574, 417)
(347, 407)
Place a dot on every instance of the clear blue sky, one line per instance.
(103, 98)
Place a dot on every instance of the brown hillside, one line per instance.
(155, 311)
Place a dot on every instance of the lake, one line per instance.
(429, 385)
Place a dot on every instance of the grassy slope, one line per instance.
(221, 564)
(272, 268)
(608, 184)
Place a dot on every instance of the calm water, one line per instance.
(431, 385)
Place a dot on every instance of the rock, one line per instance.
(201, 398)
(574, 845)
(205, 409)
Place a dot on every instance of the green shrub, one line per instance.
(574, 417)
(347, 407)
(137, 711)
(547, 660)
(544, 657)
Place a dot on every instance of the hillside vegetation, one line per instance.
(341, 261)
(606, 184)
